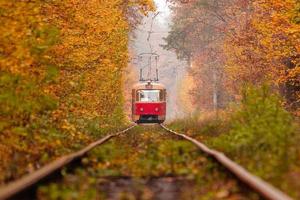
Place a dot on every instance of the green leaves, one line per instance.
(22, 97)
(262, 132)
(52, 73)
(263, 118)
(21, 131)
(43, 38)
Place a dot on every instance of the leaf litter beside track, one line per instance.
(146, 163)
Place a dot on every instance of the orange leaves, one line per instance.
(144, 5)
(61, 66)
(269, 45)
(92, 55)
(241, 42)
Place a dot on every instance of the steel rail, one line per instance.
(260, 186)
(15, 187)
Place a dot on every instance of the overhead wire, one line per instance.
(151, 54)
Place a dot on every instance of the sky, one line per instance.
(164, 10)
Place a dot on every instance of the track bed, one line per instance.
(147, 163)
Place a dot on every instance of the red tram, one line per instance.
(149, 103)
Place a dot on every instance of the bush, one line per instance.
(260, 137)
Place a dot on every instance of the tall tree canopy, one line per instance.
(234, 42)
(61, 68)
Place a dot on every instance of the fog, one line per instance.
(148, 38)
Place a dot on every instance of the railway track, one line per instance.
(15, 187)
(258, 185)
(265, 189)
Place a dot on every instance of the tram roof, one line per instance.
(148, 85)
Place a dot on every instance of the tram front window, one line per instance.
(148, 95)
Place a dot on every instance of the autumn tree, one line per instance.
(61, 75)
(198, 30)
(241, 42)
(266, 49)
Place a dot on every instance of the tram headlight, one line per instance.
(156, 109)
(141, 109)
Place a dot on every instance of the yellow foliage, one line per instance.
(266, 48)
(61, 69)
(187, 84)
